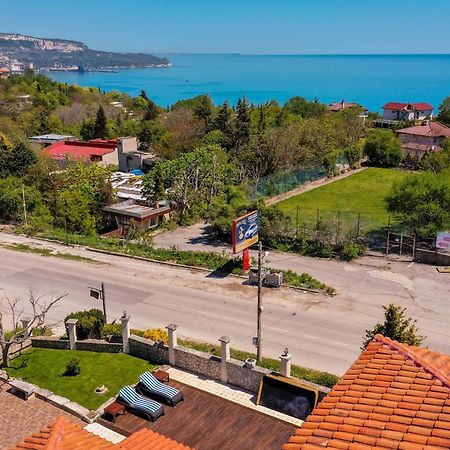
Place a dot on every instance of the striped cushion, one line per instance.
(153, 385)
(137, 401)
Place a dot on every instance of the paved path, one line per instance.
(321, 332)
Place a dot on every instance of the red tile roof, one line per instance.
(430, 129)
(65, 435)
(81, 150)
(395, 396)
(413, 106)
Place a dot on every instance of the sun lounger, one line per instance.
(149, 385)
(139, 404)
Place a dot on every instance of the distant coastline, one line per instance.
(370, 80)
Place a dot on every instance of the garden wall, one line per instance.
(50, 342)
(432, 257)
(148, 349)
(17, 348)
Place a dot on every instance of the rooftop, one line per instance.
(52, 137)
(431, 129)
(205, 421)
(408, 106)
(63, 434)
(81, 150)
(339, 106)
(132, 209)
(395, 396)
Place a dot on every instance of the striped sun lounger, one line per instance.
(137, 403)
(149, 385)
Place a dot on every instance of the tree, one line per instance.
(223, 122)
(87, 129)
(330, 161)
(395, 326)
(422, 202)
(152, 112)
(38, 310)
(143, 94)
(304, 108)
(437, 161)
(242, 124)
(444, 112)
(100, 126)
(383, 148)
(353, 155)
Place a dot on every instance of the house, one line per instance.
(130, 158)
(64, 434)
(96, 151)
(127, 185)
(395, 396)
(122, 152)
(51, 138)
(137, 214)
(421, 139)
(406, 112)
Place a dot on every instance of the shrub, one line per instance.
(72, 368)
(157, 334)
(90, 323)
(111, 330)
(383, 148)
(351, 251)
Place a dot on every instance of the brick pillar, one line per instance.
(72, 330)
(224, 357)
(285, 363)
(125, 319)
(26, 331)
(173, 341)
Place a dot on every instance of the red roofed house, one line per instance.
(65, 435)
(421, 139)
(407, 111)
(97, 151)
(395, 396)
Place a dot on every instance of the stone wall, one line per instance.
(198, 362)
(17, 348)
(148, 350)
(243, 377)
(98, 345)
(50, 342)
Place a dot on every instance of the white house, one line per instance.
(407, 111)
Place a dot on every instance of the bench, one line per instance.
(22, 389)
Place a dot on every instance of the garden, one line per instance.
(76, 374)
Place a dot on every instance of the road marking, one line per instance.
(409, 265)
(311, 337)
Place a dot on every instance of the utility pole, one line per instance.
(388, 236)
(260, 307)
(24, 206)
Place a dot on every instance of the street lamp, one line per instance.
(258, 341)
(99, 294)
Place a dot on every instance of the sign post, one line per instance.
(245, 234)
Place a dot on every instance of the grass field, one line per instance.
(44, 367)
(362, 193)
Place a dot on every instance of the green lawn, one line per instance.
(44, 367)
(363, 193)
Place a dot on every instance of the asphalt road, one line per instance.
(321, 332)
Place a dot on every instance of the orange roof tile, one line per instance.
(65, 435)
(395, 396)
(148, 439)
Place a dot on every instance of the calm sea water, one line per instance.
(370, 80)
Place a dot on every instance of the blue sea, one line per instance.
(371, 80)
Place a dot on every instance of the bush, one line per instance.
(351, 251)
(72, 368)
(383, 148)
(112, 331)
(157, 334)
(90, 323)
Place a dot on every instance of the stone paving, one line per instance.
(236, 395)
(105, 433)
(21, 418)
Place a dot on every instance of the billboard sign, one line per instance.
(443, 241)
(245, 231)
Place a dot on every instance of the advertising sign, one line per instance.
(443, 241)
(245, 231)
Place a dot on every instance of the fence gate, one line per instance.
(401, 245)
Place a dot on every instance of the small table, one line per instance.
(161, 375)
(114, 410)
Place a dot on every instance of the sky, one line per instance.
(238, 26)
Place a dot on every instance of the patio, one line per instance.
(205, 421)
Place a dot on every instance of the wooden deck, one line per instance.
(204, 421)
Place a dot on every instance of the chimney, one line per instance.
(425, 122)
(343, 103)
